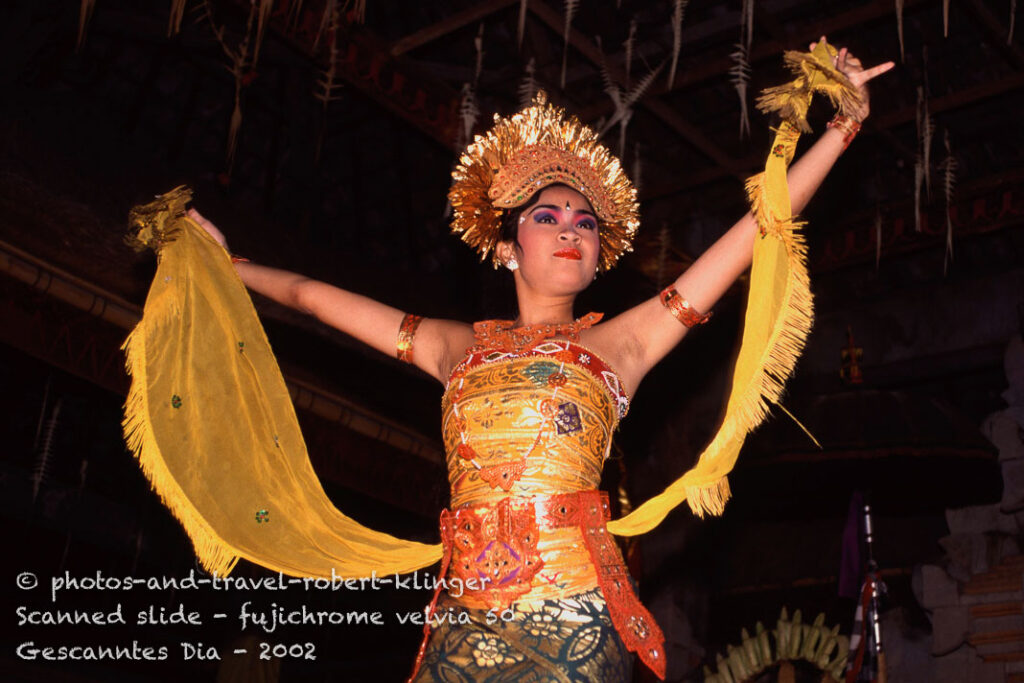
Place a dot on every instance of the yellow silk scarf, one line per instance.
(209, 416)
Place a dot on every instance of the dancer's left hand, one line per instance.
(852, 68)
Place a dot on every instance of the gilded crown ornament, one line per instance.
(520, 155)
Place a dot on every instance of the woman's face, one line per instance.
(558, 241)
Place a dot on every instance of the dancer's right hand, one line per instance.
(209, 227)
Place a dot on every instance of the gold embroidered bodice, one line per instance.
(524, 415)
(523, 418)
(536, 422)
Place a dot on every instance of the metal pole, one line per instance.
(873, 577)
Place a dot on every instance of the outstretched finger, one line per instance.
(868, 74)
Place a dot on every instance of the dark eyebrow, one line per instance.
(552, 207)
(545, 206)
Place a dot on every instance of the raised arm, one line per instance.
(649, 330)
(371, 322)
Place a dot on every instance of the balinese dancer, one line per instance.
(530, 404)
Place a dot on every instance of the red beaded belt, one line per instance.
(493, 550)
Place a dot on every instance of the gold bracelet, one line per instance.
(406, 334)
(846, 125)
(681, 309)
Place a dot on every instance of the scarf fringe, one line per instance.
(752, 405)
(814, 75)
(705, 486)
(790, 101)
(709, 499)
(213, 553)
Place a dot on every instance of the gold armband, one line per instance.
(406, 334)
(846, 125)
(681, 309)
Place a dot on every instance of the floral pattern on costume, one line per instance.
(570, 640)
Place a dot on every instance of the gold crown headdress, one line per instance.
(522, 154)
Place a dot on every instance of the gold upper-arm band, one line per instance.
(406, 335)
(681, 309)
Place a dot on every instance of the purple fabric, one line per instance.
(851, 565)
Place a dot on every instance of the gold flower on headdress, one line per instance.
(522, 154)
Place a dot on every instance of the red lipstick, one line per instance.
(569, 253)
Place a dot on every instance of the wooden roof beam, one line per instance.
(773, 48)
(667, 114)
(953, 100)
(995, 31)
(877, 124)
(762, 50)
(364, 61)
(448, 25)
(96, 301)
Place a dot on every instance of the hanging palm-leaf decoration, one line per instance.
(678, 10)
(623, 101)
(628, 46)
(926, 140)
(294, 14)
(528, 86)
(1013, 18)
(82, 470)
(331, 11)
(637, 168)
(64, 553)
(241, 69)
(521, 27)
(239, 72)
(478, 44)
(327, 83)
(739, 75)
(357, 9)
(84, 15)
(570, 11)
(747, 24)
(42, 413)
(918, 181)
(899, 27)
(925, 132)
(928, 124)
(177, 14)
(949, 165)
(263, 14)
(622, 112)
(469, 112)
(41, 468)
